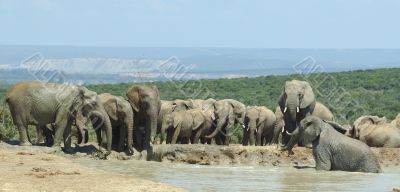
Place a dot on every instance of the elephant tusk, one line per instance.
(285, 110)
(256, 130)
(283, 129)
(243, 126)
(297, 109)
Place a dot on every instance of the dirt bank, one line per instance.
(252, 155)
(33, 169)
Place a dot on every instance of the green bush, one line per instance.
(376, 92)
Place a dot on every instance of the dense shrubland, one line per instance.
(347, 94)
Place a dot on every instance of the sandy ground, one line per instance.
(38, 168)
(32, 169)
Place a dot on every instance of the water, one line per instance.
(249, 178)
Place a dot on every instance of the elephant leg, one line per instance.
(67, 137)
(23, 136)
(48, 134)
(39, 134)
(196, 137)
(122, 138)
(98, 137)
(176, 134)
(245, 140)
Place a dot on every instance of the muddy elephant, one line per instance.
(227, 113)
(334, 151)
(375, 132)
(259, 124)
(320, 110)
(178, 126)
(297, 101)
(38, 103)
(120, 113)
(146, 104)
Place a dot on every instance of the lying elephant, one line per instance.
(375, 132)
(333, 150)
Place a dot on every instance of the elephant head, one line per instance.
(279, 125)
(167, 123)
(311, 127)
(182, 105)
(227, 113)
(145, 101)
(363, 121)
(252, 122)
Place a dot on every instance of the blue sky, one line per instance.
(202, 23)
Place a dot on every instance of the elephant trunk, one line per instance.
(129, 122)
(217, 129)
(252, 132)
(150, 129)
(106, 126)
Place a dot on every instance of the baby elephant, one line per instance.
(333, 150)
(259, 124)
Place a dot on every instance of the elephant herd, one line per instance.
(134, 122)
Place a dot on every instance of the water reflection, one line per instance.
(226, 178)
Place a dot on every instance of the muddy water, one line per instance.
(226, 178)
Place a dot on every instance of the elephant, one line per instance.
(227, 113)
(39, 103)
(333, 150)
(320, 110)
(120, 112)
(375, 132)
(259, 121)
(167, 107)
(396, 121)
(297, 101)
(178, 126)
(146, 104)
(182, 105)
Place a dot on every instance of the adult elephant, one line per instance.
(259, 122)
(145, 101)
(120, 112)
(375, 132)
(320, 110)
(227, 113)
(38, 103)
(333, 150)
(297, 101)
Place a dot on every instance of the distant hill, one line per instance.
(132, 64)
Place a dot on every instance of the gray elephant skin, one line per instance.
(375, 132)
(335, 151)
(146, 104)
(320, 110)
(297, 101)
(38, 103)
(259, 124)
(120, 112)
(227, 113)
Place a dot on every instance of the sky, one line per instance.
(340, 24)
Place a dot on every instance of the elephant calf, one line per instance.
(334, 151)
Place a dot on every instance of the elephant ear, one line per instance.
(261, 117)
(133, 97)
(177, 122)
(197, 120)
(308, 96)
(282, 100)
(111, 108)
(337, 127)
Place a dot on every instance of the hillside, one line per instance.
(348, 94)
